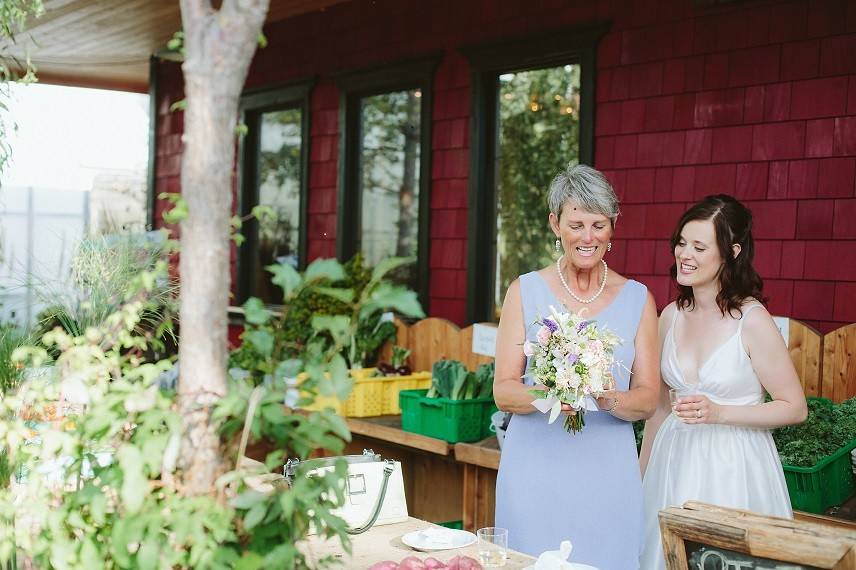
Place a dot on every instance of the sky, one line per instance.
(66, 135)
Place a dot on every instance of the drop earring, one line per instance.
(558, 246)
(609, 246)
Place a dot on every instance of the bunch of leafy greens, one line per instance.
(450, 379)
(828, 428)
(101, 486)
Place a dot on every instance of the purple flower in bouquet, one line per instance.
(571, 360)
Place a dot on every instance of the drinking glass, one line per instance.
(493, 546)
(674, 394)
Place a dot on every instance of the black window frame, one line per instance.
(576, 45)
(253, 104)
(353, 87)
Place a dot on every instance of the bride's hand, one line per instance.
(697, 409)
(568, 410)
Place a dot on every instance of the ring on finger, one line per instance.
(698, 413)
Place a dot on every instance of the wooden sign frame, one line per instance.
(786, 541)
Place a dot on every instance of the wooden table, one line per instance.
(384, 543)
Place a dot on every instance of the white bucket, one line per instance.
(496, 421)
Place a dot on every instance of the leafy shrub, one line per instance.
(103, 482)
(293, 331)
(102, 276)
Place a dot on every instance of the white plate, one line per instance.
(438, 538)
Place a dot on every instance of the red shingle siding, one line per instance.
(754, 100)
(764, 100)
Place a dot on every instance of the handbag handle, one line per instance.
(291, 466)
(387, 471)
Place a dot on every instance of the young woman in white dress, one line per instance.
(720, 352)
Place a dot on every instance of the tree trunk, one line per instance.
(219, 45)
(407, 195)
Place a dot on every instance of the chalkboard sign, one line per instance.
(705, 557)
(698, 536)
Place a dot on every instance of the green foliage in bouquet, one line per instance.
(828, 428)
(99, 480)
(450, 379)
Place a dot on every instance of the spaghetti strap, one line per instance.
(746, 311)
(674, 319)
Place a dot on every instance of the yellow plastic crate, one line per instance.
(373, 396)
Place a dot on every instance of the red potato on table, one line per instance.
(414, 563)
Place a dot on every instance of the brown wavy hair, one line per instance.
(738, 280)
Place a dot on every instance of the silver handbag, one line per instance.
(374, 488)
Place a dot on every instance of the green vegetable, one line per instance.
(447, 379)
(829, 427)
(450, 379)
(399, 356)
(484, 380)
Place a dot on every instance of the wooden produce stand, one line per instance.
(481, 462)
(384, 543)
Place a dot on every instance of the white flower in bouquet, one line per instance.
(572, 358)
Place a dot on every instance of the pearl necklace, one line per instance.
(568, 289)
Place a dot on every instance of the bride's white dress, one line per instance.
(724, 465)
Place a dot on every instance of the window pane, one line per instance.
(389, 178)
(538, 136)
(279, 189)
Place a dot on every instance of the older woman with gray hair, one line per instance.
(584, 487)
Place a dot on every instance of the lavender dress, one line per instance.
(586, 487)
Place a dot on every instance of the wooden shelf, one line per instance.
(388, 428)
(483, 453)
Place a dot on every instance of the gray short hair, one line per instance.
(586, 186)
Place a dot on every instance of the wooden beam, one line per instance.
(388, 428)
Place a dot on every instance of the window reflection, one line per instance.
(279, 189)
(389, 178)
(538, 130)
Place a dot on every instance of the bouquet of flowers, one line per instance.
(572, 359)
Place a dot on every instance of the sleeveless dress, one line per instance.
(585, 487)
(724, 465)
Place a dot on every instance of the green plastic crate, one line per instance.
(828, 483)
(450, 420)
